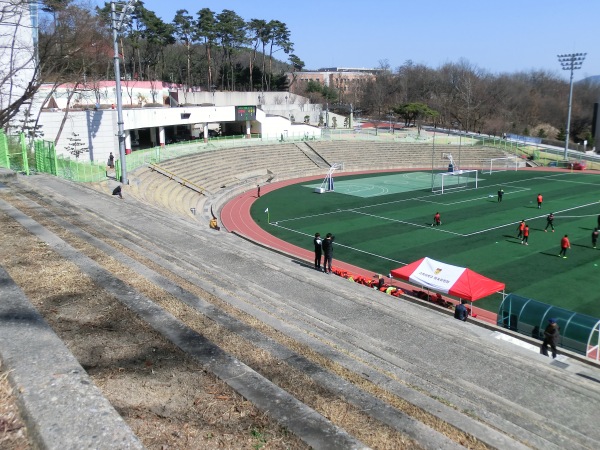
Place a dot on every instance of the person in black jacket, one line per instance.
(461, 312)
(551, 337)
(328, 252)
(318, 250)
(117, 191)
(549, 222)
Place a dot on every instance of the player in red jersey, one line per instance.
(564, 245)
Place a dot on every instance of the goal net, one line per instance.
(459, 179)
(501, 164)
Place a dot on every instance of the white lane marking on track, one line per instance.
(345, 246)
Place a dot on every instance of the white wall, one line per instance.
(133, 93)
(139, 93)
(154, 117)
(276, 127)
(241, 98)
(98, 128)
(283, 104)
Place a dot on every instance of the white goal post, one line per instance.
(327, 184)
(459, 179)
(502, 164)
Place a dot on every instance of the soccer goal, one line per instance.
(450, 181)
(502, 164)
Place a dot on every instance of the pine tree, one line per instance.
(29, 126)
(75, 146)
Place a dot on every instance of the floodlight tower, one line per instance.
(117, 25)
(570, 61)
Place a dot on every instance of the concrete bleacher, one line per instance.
(217, 170)
(361, 155)
(154, 188)
(502, 395)
(214, 169)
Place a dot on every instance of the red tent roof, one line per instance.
(458, 281)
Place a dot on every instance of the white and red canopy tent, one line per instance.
(453, 280)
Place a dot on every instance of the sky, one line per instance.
(505, 36)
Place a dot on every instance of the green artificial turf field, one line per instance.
(383, 221)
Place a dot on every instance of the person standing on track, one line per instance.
(549, 222)
(318, 250)
(564, 245)
(328, 252)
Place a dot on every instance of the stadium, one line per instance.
(157, 258)
(262, 268)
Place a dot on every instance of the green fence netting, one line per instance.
(45, 157)
(14, 152)
(579, 332)
(47, 161)
(4, 159)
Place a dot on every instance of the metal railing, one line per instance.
(172, 176)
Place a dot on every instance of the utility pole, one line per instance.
(571, 62)
(117, 25)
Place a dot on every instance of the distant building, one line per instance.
(156, 114)
(344, 79)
